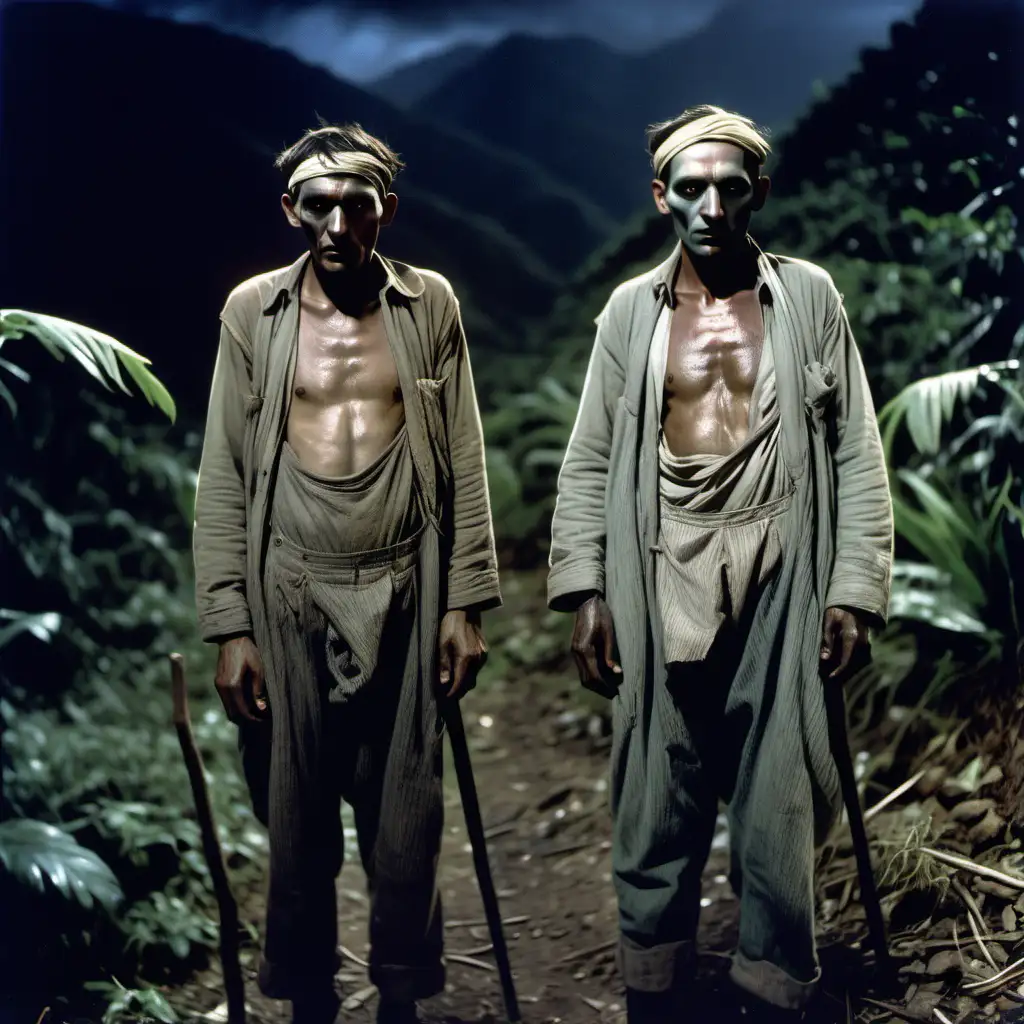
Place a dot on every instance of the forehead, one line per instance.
(709, 161)
(336, 186)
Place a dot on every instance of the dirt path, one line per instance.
(541, 770)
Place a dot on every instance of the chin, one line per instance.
(339, 266)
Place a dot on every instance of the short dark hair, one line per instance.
(331, 139)
(658, 133)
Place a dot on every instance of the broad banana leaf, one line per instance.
(100, 355)
(36, 854)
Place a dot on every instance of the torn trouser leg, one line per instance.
(346, 725)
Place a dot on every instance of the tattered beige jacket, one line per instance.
(248, 415)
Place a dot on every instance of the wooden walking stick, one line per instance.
(234, 984)
(835, 707)
(475, 828)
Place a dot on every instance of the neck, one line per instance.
(717, 276)
(352, 292)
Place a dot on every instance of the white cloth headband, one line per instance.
(712, 128)
(362, 165)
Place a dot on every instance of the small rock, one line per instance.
(943, 962)
(987, 829)
(924, 1002)
(930, 781)
(971, 810)
(1002, 892)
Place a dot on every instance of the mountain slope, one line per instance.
(580, 109)
(411, 82)
(137, 185)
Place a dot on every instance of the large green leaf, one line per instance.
(42, 625)
(36, 854)
(927, 404)
(97, 353)
(927, 594)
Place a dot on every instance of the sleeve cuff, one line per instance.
(213, 626)
(566, 581)
(868, 597)
(484, 594)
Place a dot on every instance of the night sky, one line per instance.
(365, 39)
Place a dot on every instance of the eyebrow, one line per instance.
(356, 192)
(700, 179)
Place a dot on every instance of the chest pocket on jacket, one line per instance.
(432, 401)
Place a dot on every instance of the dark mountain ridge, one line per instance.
(580, 108)
(137, 187)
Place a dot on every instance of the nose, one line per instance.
(711, 207)
(336, 222)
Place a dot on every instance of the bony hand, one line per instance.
(240, 680)
(845, 644)
(593, 647)
(463, 652)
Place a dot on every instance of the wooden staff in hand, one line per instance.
(478, 841)
(845, 650)
(234, 984)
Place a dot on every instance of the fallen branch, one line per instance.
(567, 848)
(894, 795)
(469, 961)
(349, 955)
(477, 951)
(521, 919)
(499, 830)
(579, 954)
(974, 919)
(942, 1018)
(991, 985)
(896, 1011)
(956, 861)
(360, 998)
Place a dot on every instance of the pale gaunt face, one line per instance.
(710, 194)
(341, 217)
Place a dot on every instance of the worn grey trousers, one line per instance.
(347, 723)
(692, 743)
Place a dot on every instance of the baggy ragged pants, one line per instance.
(688, 743)
(347, 726)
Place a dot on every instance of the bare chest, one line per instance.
(342, 358)
(715, 345)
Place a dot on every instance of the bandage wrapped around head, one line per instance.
(724, 127)
(360, 165)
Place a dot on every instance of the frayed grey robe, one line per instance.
(837, 551)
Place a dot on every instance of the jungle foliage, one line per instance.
(102, 863)
(903, 183)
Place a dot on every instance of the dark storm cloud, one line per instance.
(365, 39)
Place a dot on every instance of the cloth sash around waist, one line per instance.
(710, 566)
(358, 608)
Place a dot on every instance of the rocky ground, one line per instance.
(540, 757)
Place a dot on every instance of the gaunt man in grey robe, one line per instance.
(723, 532)
(344, 552)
